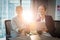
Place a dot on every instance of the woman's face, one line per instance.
(19, 10)
(42, 10)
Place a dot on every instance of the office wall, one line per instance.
(51, 8)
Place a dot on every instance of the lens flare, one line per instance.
(27, 16)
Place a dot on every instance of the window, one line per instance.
(26, 4)
(7, 11)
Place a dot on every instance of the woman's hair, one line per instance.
(43, 6)
(19, 7)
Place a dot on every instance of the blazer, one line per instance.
(50, 25)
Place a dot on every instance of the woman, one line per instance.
(18, 23)
(45, 22)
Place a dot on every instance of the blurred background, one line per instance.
(7, 10)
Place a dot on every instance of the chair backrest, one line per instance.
(57, 25)
(8, 26)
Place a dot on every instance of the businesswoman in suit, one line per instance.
(45, 22)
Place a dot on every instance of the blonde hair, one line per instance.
(19, 7)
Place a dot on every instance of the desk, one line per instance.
(42, 37)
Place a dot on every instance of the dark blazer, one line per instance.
(50, 24)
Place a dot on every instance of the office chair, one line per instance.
(8, 29)
(57, 25)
